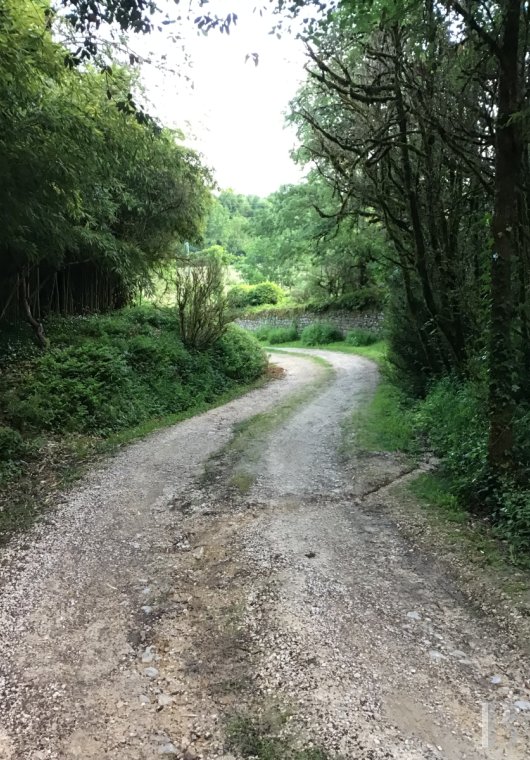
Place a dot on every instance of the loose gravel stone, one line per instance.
(331, 653)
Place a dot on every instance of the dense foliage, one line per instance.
(200, 297)
(276, 335)
(263, 293)
(108, 373)
(293, 237)
(94, 193)
(320, 333)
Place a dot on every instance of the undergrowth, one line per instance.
(384, 423)
(361, 337)
(449, 422)
(320, 333)
(484, 543)
(276, 335)
(104, 380)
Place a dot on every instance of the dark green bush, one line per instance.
(238, 296)
(514, 520)
(360, 337)
(282, 335)
(11, 444)
(265, 292)
(362, 299)
(452, 417)
(522, 441)
(320, 333)
(109, 373)
(240, 354)
(82, 388)
(262, 333)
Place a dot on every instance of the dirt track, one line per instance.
(156, 603)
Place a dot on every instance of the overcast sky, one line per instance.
(234, 113)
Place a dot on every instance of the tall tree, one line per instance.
(433, 170)
(93, 194)
(502, 41)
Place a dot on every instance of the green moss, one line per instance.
(257, 737)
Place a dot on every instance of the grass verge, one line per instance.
(385, 423)
(381, 424)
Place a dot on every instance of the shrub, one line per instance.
(265, 292)
(241, 356)
(201, 304)
(320, 333)
(163, 318)
(360, 337)
(119, 379)
(81, 388)
(514, 520)
(262, 333)
(522, 441)
(413, 351)
(11, 444)
(238, 296)
(282, 335)
(453, 419)
(254, 295)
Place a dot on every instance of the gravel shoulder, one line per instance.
(156, 604)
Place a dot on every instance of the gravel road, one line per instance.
(164, 596)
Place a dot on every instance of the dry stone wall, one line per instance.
(344, 320)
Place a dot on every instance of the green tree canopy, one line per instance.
(94, 194)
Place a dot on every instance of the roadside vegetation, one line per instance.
(99, 202)
(107, 379)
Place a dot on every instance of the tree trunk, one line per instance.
(37, 326)
(508, 159)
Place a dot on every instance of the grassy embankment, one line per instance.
(103, 382)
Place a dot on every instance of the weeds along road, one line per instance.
(237, 586)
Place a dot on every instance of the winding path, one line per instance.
(155, 601)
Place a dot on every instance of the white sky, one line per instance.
(234, 113)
